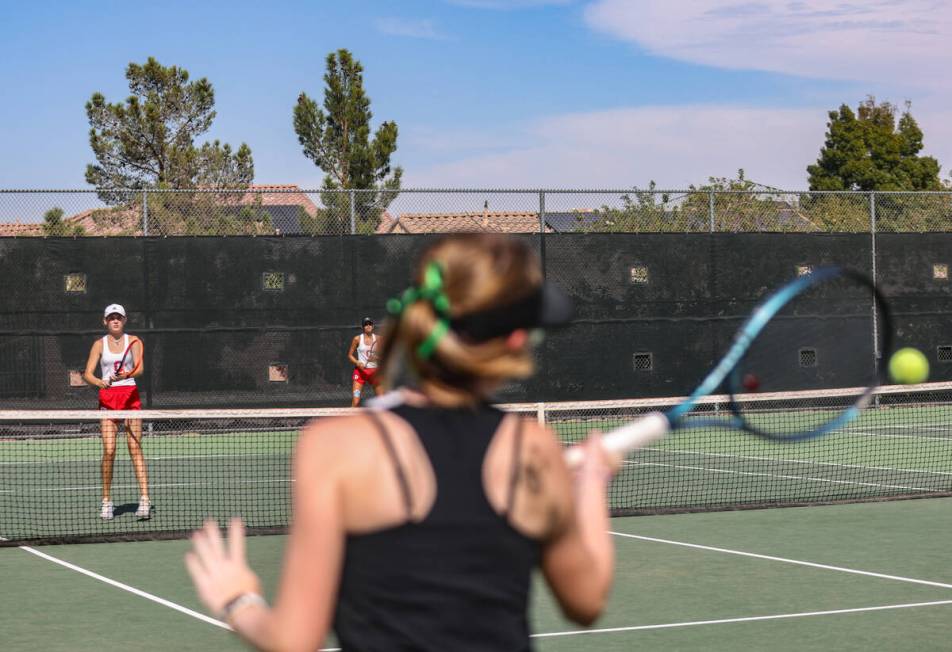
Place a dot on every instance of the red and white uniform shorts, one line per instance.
(362, 376)
(123, 397)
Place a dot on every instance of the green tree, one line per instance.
(53, 225)
(207, 214)
(643, 210)
(846, 212)
(735, 204)
(337, 138)
(869, 150)
(148, 141)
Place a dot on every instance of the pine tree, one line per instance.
(337, 138)
(148, 141)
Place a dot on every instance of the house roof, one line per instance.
(279, 195)
(281, 202)
(285, 219)
(570, 221)
(108, 221)
(16, 229)
(474, 222)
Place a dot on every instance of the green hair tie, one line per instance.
(431, 289)
(428, 346)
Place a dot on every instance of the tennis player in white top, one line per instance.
(120, 357)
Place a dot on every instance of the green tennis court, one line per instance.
(867, 573)
(847, 577)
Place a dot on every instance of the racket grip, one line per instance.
(621, 441)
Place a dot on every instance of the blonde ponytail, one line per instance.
(476, 272)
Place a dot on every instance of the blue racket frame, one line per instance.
(721, 374)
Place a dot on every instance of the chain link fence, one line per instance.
(251, 297)
(291, 211)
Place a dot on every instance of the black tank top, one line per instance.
(457, 580)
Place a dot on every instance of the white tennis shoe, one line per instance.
(107, 510)
(145, 508)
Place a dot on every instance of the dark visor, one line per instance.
(545, 307)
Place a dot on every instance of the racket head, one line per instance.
(136, 356)
(372, 351)
(831, 328)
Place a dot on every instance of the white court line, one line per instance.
(784, 560)
(130, 589)
(607, 630)
(777, 475)
(138, 592)
(168, 485)
(790, 461)
(907, 426)
(885, 436)
(694, 623)
(92, 460)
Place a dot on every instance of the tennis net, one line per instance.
(219, 463)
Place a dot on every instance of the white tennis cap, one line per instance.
(114, 308)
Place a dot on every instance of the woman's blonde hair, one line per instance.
(479, 272)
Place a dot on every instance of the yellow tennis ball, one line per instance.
(909, 366)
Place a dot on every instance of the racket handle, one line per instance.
(621, 441)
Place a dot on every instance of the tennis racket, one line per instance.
(828, 328)
(136, 357)
(372, 351)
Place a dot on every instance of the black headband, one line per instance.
(545, 306)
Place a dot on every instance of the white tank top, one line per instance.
(367, 354)
(109, 361)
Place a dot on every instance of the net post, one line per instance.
(541, 212)
(145, 212)
(542, 230)
(877, 354)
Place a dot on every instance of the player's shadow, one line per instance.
(127, 508)
(131, 508)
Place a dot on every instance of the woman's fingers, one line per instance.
(215, 538)
(218, 569)
(204, 546)
(236, 540)
(195, 568)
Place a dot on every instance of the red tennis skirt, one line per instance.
(362, 376)
(124, 397)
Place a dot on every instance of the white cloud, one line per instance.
(674, 145)
(892, 41)
(411, 28)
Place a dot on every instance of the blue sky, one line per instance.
(486, 93)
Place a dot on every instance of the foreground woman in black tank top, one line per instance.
(418, 527)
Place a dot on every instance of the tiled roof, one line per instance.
(108, 221)
(280, 201)
(284, 197)
(15, 229)
(475, 222)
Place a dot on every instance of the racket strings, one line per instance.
(833, 336)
